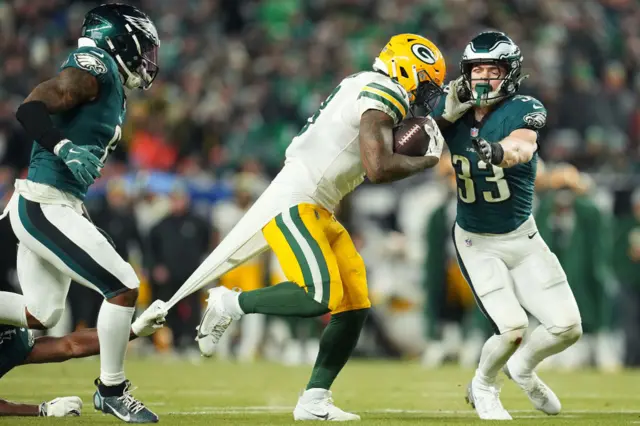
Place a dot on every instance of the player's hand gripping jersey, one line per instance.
(323, 162)
(491, 199)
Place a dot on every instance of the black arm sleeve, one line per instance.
(38, 125)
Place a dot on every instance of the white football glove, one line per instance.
(453, 107)
(151, 320)
(61, 407)
(437, 140)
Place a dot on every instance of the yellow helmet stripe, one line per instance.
(392, 109)
(391, 92)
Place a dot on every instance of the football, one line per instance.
(410, 138)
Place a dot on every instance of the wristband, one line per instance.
(497, 153)
(37, 123)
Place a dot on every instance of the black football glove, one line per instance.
(490, 153)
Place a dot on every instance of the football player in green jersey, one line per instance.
(74, 119)
(19, 347)
(492, 134)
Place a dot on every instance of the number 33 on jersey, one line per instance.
(493, 200)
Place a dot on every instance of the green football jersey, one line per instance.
(15, 345)
(95, 123)
(492, 200)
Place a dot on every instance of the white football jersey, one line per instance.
(323, 161)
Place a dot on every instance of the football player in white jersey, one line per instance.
(350, 136)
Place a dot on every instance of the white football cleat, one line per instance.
(540, 395)
(317, 404)
(214, 322)
(486, 400)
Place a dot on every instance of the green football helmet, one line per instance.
(130, 37)
(492, 47)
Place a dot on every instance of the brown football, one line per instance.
(410, 138)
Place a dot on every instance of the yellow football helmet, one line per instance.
(416, 63)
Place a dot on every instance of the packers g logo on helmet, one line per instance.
(423, 53)
(416, 64)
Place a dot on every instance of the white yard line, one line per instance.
(463, 413)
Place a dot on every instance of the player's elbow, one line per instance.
(526, 155)
(431, 161)
(373, 166)
(375, 175)
(378, 174)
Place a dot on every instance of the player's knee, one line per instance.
(129, 277)
(127, 298)
(514, 337)
(570, 334)
(49, 318)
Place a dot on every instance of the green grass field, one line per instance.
(383, 393)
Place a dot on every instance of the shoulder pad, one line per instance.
(528, 109)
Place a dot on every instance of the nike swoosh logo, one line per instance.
(532, 235)
(537, 106)
(73, 151)
(117, 414)
(325, 416)
(98, 54)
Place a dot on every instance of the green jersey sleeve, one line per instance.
(93, 60)
(528, 113)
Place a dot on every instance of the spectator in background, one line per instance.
(626, 261)
(251, 275)
(579, 233)
(175, 248)
(450, 313)
(117, 219)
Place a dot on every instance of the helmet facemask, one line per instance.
(425, 93)
(491, 48)
(428, 92)
(137, 57)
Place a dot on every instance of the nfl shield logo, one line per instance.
(467, 242)
(474, 132)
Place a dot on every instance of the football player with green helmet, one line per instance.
(492, 133)
(75, 119)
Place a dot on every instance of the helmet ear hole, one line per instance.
(403, 72)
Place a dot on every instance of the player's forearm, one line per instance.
(381, 164)
(516, 151)
(79, 344)
(396, 166)
(23, 410)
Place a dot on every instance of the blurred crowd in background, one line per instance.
(238, 78)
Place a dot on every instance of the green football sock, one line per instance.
(336, 344)
(286, 299)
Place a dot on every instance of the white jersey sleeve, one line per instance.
(385, 95)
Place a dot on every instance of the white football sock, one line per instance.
(231, 302)
(12, 309)
(114, 325)
(495, 353)
(542, 344)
